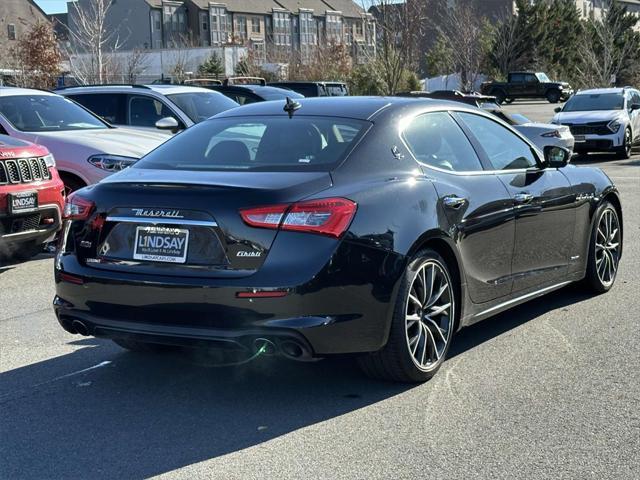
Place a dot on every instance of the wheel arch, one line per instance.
(613, 197)
(445, 247)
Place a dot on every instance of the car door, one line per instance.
(476, 206)
(542, 198)
(531, 85)
(516, 84)
(634, 99)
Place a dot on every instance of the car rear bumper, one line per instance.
(344, 308)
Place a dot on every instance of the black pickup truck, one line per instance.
(527, 85)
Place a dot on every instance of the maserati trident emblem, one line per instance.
(144, 212)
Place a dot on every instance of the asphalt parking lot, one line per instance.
(550, 389)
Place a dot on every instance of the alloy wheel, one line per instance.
(627, 143)
(429, 315)
(607, 247)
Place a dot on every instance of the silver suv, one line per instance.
(603, 120)
(168, 107)
(86, 148)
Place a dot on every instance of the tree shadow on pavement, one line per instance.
(136, 416)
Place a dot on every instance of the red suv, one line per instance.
(31, 198)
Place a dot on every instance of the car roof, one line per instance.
(161, 89)
(360, 108)
(15, 91)
(253, 88)
(594, 91)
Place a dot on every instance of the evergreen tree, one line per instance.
(212, 66)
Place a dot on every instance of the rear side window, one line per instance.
(263, 144)
(109, 106)
(435, 139)
(505, 150)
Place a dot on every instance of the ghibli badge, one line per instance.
(243, 253)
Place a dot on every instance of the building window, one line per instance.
(255, 25)
(307, 29)
(359, 29)
(334, 28)
(281, 28)
(175, 24)
(219, 25)
(241, 28)
(11, 31)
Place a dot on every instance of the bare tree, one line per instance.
(400, 27)
(508, 45)
(134, 64)
(607, 48)
(180, 59)
(91, 41)
(461, 28)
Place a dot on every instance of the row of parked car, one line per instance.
(91, 132)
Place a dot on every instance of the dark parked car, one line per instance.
(527, 85)
(315, 89)
(246, 90)
(369, 226)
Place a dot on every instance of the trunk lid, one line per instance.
(187, 223)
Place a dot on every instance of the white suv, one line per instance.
(172, 107)
(86, 148)
(603, 120)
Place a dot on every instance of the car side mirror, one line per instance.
(635, 106)
(168, 123)
(557, 109)
(556, 157)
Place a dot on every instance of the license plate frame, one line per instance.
(17, 203)
(161, 244)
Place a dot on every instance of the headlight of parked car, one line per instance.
(50, 161)
(614, 125)
(111, 163)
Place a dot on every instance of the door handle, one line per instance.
(454, 202)
(523, 198)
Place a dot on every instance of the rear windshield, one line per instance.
(259, 144)
(201, 105)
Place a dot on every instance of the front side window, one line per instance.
(47, 113)
(275, 143)
(146, 111)
(504, 149)
(435, 139)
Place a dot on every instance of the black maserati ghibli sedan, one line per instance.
(376, 227)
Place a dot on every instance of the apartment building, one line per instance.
(272, 28)
(16, 18)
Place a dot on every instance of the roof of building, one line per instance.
(243, 6)
(349, 8)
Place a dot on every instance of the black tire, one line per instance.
(395, 361)
(500, 96)
(594, 280)
(553, 96)
(141, 347)
(624, 152)
(28, 250)
(71, 182)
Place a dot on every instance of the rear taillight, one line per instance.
(77, 208)
(326, 216)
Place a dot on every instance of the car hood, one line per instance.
(128, 142)
(587, 116)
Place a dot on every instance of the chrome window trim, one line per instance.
(472, 172)
(162, 221)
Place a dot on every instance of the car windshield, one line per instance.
(202, 105)
(268, 143)
(594, 101)
(47, 113)
(542, 77)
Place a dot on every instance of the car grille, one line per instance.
(590, 129)
(23, 170)
(20, 224)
